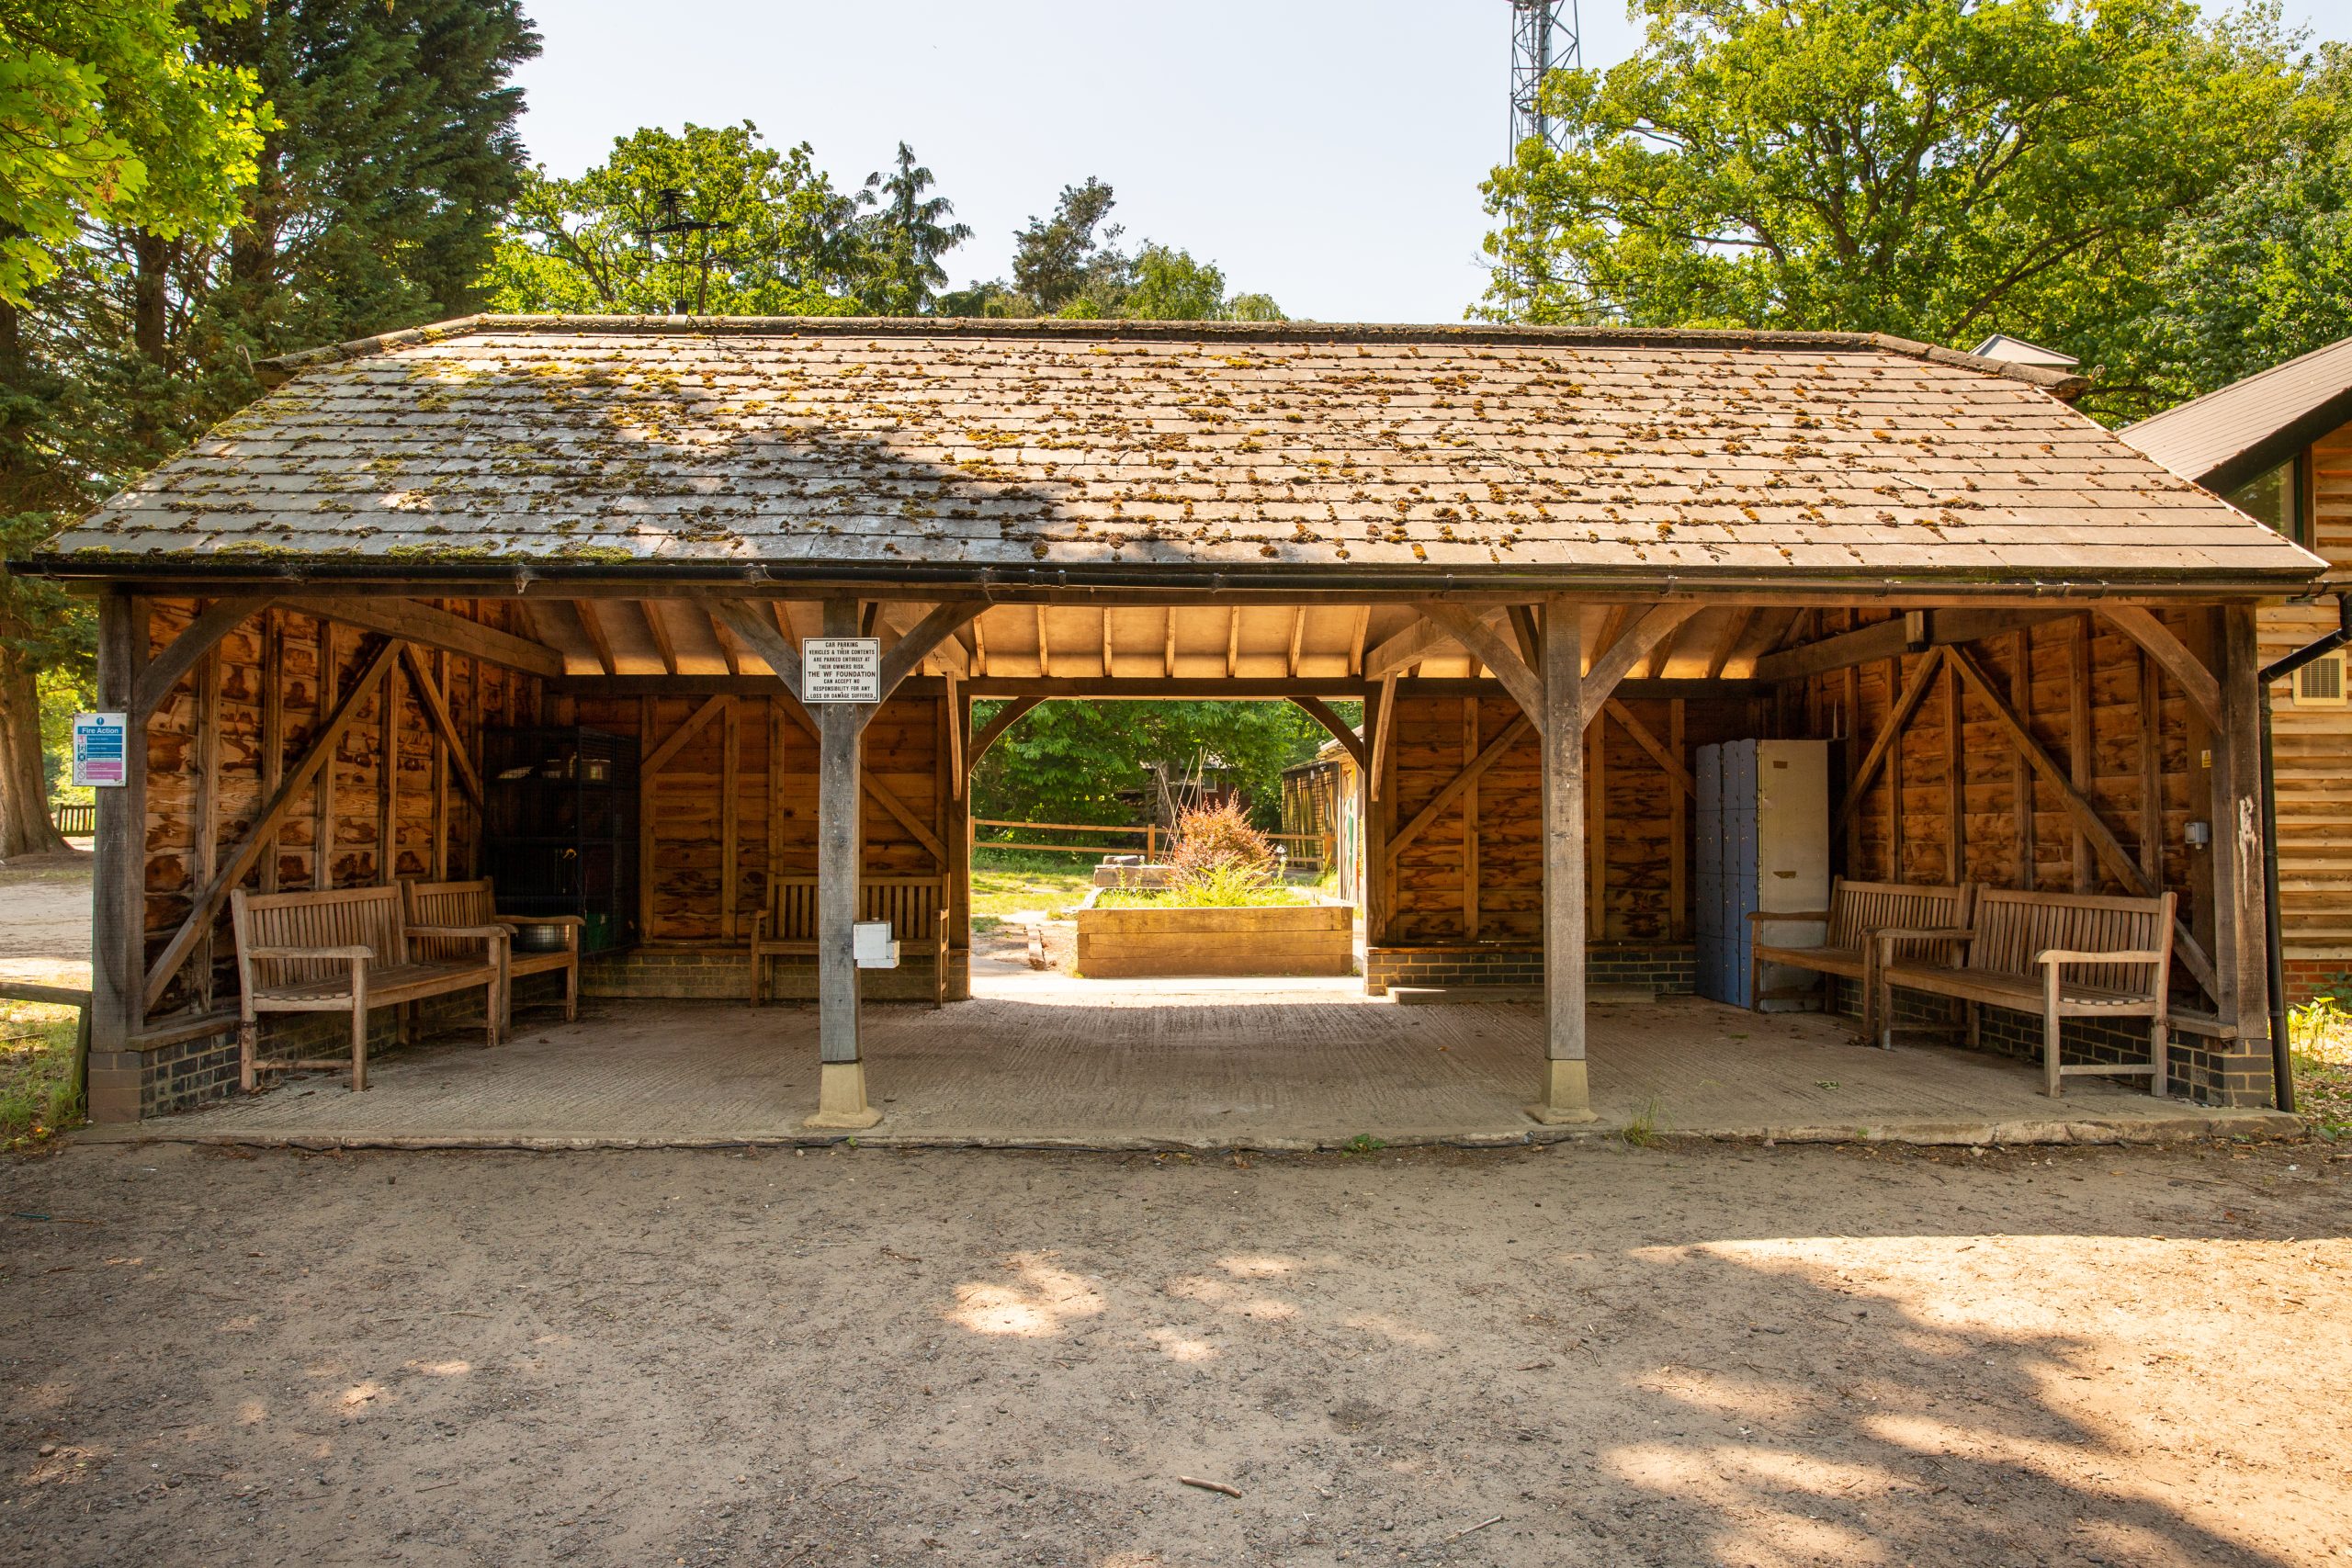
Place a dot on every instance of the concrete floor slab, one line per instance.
(1043, 1060)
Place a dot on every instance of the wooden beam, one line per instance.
(204, 813)
(2152, 770)
(2241, 961)
(2079, 739)
(231, 871)
(2156, 639)
(1685, 786)
(730, 808)
(660, 632)
(1525, 631)
(118, 882)
(840, 767)
(437, 712)
(1110, 663)
(1320, 711)
(1297, 640)
(938, 626)
(1887, 638)
(1168, 649)
(660, 757)
(2029, 873)
(272, 730)
(163, 672)
(1735, 627)
(1482, 641)
(762, 637)
(592, 627)
(731, 647)
(1355, 640)
(1470, 710)
(1601, 682)
(1438, 803)
(881, 793)
(953, 656)
(1955, 781)
(1677, 830)
(1004, 718)
(1889, 735)
(1564, 1095)
(1044, 652)
(1402, 649)
(411, 621)
(1233, 642)
(1383, 710)
(323, 803)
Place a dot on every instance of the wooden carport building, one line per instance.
(1550, 563)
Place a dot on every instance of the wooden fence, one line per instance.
(1299, 848)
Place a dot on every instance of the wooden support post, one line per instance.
(2241, 963)
(2028, 875)
(1678, 832)
(1564, 1095)
(119, 905)
(648, 713)
(959, 844)
(1372, 811)
(1955, 781)
(730, 790)
(1470, 823)
(322, 815)
(1596, 846)
(273, 729)
(204, 815)
(841, 1095)
(1897, 718)
(2078, 742)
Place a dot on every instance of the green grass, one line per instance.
(2321, 1035)
(37, 1096)
(1201, 896)
(1006, 881)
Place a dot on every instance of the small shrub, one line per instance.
(1218, 842)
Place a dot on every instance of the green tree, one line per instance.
(1933, 168)
(751, 230)
(1069, 264)
(2263, 272)
(1071, 760)
(905, 237)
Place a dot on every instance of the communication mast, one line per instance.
(1542, 40)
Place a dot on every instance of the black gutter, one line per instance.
(2282, 1063)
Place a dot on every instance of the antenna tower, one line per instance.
(1542, 40)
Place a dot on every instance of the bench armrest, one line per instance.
(1754, 916)
(2055, 956)
(365, 953)
(458, 931)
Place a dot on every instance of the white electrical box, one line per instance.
(872, 945)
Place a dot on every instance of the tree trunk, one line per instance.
(25, 828)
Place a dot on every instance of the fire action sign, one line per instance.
(101, 743)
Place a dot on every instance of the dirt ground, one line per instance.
(45, 919)
(1735, 1355)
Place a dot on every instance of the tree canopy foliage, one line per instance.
(1069, 264)
(1939, 169)
(1072, 760)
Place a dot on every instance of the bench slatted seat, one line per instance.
(2060, 955)
(347, 950)
(476, 904)
(916, 907)
(1847, 951)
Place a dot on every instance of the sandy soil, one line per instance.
(1722, 1355)
(45, 919)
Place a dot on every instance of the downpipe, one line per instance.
(2282, 1064)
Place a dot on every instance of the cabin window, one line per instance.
(2320, 683)
(2280, 498)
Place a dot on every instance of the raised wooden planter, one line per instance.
(1275, 939)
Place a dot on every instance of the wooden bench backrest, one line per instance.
(1857, 908)
(450, 904)
(343, 917)
(911, 904)
(2013, 929)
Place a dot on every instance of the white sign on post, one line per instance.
(102, 749)
(840, 669)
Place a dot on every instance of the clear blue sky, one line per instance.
(1324, 151)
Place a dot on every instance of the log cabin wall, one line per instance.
(1463, 884)
(2311, 747)
(387, 804)
(734, 804)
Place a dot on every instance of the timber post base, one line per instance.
(841, 1098)
(1566, 1096)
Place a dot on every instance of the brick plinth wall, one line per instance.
(723, 975)
(2213, 1072)
(1669, 969)
(2307, 977)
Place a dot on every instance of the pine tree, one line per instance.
(906, 236)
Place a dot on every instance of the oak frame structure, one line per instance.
(1549, 562)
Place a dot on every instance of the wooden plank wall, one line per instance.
(2098, 709)
(1475, 873)
(2311, 747)
(218, 746)
(696, 895)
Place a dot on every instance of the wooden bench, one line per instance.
(346, 950)
(475, 904)
(2063, 956)
(916, 907)
(1857, 911)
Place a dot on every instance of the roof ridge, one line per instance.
(281, 368)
